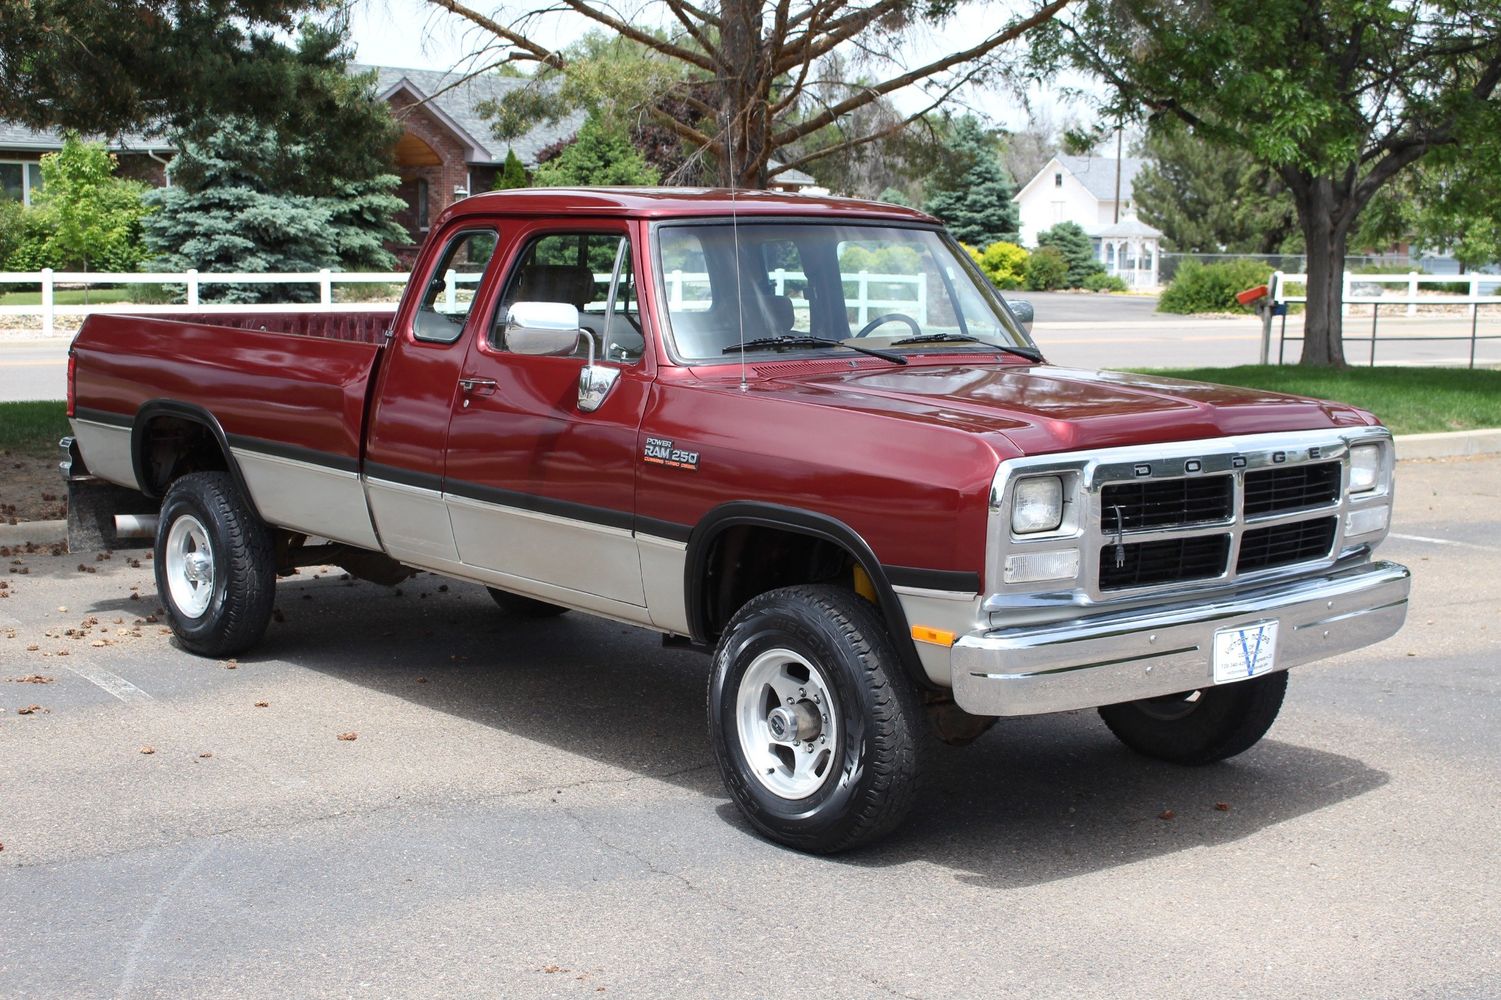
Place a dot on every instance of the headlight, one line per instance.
(1365, 467)
(1037, 505)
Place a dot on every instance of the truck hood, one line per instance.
(1043, 408)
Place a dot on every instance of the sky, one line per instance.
(415, 35)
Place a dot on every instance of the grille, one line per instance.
(1285, 544)
(1297, 487)
(1169, 503)
(1165, 561)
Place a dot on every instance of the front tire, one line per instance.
(215, 566)
(1203, 726)
(814, 725)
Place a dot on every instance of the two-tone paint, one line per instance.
(477, 463)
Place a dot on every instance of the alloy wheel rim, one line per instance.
(788, 723)
(190, 566)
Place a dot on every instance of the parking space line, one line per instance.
(1445, 541)
(111, 683)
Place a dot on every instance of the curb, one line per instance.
(1410, 447)
(36, 532)
(1456, 444)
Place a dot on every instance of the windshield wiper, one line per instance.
(804, 341)
(934, 338)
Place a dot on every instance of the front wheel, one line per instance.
(814, 726)
(1203, 726)
(215, 565)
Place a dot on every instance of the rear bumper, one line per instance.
(1148, 652)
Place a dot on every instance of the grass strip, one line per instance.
(1408, 400)
(32, 428)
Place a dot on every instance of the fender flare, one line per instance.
(795, 520)
(191, 412)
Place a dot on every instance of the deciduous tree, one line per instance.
(1339, 97)
(745, 69)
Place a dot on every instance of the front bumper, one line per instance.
(1149, 652)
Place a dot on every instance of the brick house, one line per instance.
(21, 149)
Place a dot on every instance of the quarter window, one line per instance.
(451, 288)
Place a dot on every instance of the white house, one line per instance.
(1082, 189)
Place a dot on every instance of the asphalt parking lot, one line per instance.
(531, 809)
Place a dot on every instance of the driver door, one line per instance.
(541, 493)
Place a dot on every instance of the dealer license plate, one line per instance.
(1244, 652)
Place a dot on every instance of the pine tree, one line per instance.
(1070, 240)
(512, 175)
(599, 156)
(973, 193)
(307, 191)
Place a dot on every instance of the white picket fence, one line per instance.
(867, 294)
(49, 309)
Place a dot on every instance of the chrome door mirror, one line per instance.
(595, 381)
(1023, 311)
(542, 328)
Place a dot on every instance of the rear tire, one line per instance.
(524, 607)
(215, 564)
(1203, 726)
(849, 773)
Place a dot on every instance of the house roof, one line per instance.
(453, 99)
(1096, 173)
(18, 137)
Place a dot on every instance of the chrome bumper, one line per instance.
(1147, 652)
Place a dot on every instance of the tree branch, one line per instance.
(540, 53)
(795, 132)
(635, 34)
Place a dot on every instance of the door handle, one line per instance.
(480, 386)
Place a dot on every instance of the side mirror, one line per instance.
(1023, 311)
(542, 328)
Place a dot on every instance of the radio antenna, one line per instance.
(735, 238)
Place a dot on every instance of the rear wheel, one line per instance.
(1202, 726)
(524, 607)
(814, 726)
(215, 564)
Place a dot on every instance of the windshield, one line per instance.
(872, 286)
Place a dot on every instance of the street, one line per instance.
(531, 809)
(1086, 331)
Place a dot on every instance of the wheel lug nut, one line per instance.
(802, 693)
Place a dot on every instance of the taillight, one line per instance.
(72, 372)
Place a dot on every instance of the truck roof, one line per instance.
(664, 203)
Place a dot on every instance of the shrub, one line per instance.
(1103, 282)
(1070, 240)
(1005, 264)
(1046, 270)
(1208, 288)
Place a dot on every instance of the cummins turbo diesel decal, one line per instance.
(659, 451)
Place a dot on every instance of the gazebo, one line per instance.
(1129, 250)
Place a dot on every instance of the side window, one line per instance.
(452, 286)
(577, 269)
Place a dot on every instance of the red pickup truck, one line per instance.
(803, 433)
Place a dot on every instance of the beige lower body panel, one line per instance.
(106, 451)
(313, 499)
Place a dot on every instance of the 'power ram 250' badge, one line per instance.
(659, 451)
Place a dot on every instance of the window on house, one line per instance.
(20, 181)
(1058, 180)
(422, 224)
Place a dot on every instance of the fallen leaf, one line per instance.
(205, 755)
(33, 648)
(32, 678)
(97, 643)
(32, 710)
(422, 680)
(349, 737)
(1223, 807)
(148, 749)
(1166, 814)
(64, 610)
(263, 704)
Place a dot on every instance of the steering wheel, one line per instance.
(865, 330)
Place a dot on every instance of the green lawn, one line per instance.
(68, 297)
(1408, 400)
(32, 427)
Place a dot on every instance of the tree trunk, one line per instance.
(1325, 235)
(744, 123)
